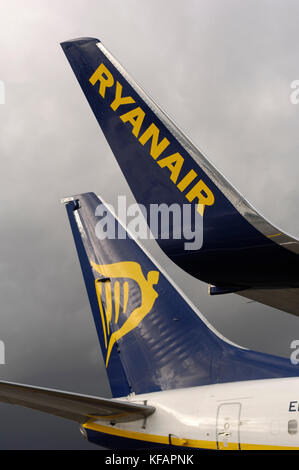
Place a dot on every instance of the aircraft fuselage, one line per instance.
(257, 414)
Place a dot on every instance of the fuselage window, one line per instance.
(292, 426)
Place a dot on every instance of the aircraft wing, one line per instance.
(72, 406)
(240, 251)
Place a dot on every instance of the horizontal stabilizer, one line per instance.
(283, 299)
(72, 406)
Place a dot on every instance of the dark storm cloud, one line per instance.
(222, 70)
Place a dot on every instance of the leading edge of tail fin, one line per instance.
(152, 337)
(240, 249)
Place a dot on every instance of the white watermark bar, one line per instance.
(294, 96)
(294, 357)
(2, 353)
(2, 92)
(161, 221)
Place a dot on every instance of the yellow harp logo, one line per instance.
(119, 275)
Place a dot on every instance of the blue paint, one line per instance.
(234, 253)
(172, 347)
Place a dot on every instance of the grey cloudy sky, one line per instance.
(222, 70)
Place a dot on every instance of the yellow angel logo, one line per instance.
(126, 271)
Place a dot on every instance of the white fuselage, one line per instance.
(257, 414)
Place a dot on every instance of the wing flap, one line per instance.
(72, 406)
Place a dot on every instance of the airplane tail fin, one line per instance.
(240, 250)
(152, 337)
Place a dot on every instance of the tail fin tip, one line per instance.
(78, 41)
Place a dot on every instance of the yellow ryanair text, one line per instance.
(135, 117)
